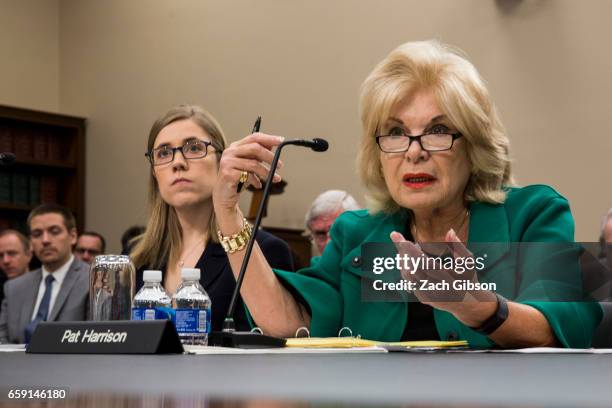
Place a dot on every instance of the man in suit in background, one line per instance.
(15, 256)
(59, 290)
(15, 253)
(323, 212)
(89, 245)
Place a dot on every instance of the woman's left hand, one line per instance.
(445, 289)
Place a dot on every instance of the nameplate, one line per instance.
(111, 337)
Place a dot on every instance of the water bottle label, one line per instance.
(192, 320)
(158, 313)
(202, 322)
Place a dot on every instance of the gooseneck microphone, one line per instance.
(7, 158)
(229, 337)
(316, 144)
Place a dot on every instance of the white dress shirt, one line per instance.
(59, 276)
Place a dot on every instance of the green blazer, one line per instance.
(331, 288)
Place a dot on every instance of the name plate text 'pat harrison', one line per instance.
(93, 336)
(110, 337)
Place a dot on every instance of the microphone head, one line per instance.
(319, 145)
(6, 159)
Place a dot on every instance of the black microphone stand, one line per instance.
(229, 337)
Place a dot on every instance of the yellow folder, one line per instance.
(349, 342)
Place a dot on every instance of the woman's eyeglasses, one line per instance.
(194, 149)
(397, 141)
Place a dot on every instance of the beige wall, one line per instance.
(299, 64)
(29, 54)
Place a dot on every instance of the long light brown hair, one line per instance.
(162, 238)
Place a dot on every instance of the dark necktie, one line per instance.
(43, 308)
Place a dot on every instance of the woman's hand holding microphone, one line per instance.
(248, 159)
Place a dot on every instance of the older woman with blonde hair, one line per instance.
(434, 159)
(184, 147)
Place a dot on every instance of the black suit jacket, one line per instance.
(219, 282)
(71, 304)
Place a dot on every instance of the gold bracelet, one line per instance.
(238, 241)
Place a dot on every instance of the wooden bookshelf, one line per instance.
(50, 164)
(45, 163)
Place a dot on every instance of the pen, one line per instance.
(245, 175)
(257, 125)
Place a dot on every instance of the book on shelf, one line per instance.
(54, 148)
(48, 189)
(40, 146)
(22, 144)
(6, 141)
(21, 189)
(34, 184)
(6, 189)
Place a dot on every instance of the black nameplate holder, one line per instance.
(110, 337)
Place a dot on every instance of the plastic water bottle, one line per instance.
(152, 302)
(192, 309)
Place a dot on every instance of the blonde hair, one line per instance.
(461, 95)
(162, 238)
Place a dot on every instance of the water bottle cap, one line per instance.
(190, 273)
(152, 276)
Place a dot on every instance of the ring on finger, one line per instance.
(244, 177)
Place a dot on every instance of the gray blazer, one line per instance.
(20, 294)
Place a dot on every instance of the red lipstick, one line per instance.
(418, 180)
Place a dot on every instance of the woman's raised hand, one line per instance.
(253, 155)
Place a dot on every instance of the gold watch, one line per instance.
(238, 241)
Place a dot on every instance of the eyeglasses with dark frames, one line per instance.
(435, 140)
(82, 251)
(191, 150)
